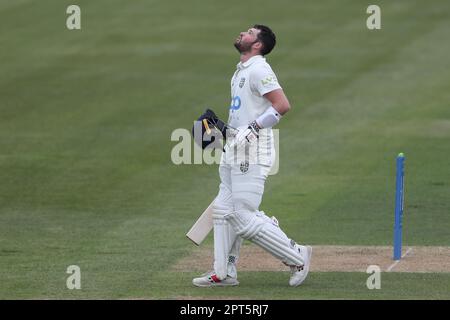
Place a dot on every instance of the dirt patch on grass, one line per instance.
(330, 258)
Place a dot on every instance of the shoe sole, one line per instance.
(309, 249)
(218, 284)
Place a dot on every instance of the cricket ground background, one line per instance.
(86, 116)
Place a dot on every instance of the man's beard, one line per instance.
(243, 47)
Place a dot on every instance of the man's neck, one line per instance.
(245, 56)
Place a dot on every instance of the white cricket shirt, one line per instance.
(250, 82)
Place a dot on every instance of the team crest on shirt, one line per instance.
(244, 166)
(241, 83)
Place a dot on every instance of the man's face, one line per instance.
(246, 39)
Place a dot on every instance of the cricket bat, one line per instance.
(202, 226)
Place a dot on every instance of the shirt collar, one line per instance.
(247, 63)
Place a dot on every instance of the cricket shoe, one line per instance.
(210, 279)
(299, 273)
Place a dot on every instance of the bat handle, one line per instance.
(205, 123)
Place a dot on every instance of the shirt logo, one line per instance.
(244, 166)
(241, 83)
(269, 80)
(235, 103)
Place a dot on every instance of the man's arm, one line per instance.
(280, 105)
(279, 100)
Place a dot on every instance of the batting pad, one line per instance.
(221, 246)
(264, 232)
(226, 245)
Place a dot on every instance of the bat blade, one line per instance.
(202, 227)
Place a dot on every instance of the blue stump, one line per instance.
(399, 202)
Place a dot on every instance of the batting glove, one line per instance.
(248, 135)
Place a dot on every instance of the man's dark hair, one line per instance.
(267, 37)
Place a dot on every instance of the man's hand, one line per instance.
(248, 135)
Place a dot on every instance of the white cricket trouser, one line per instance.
(241, 187)
(236, 217)
(227, 243)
